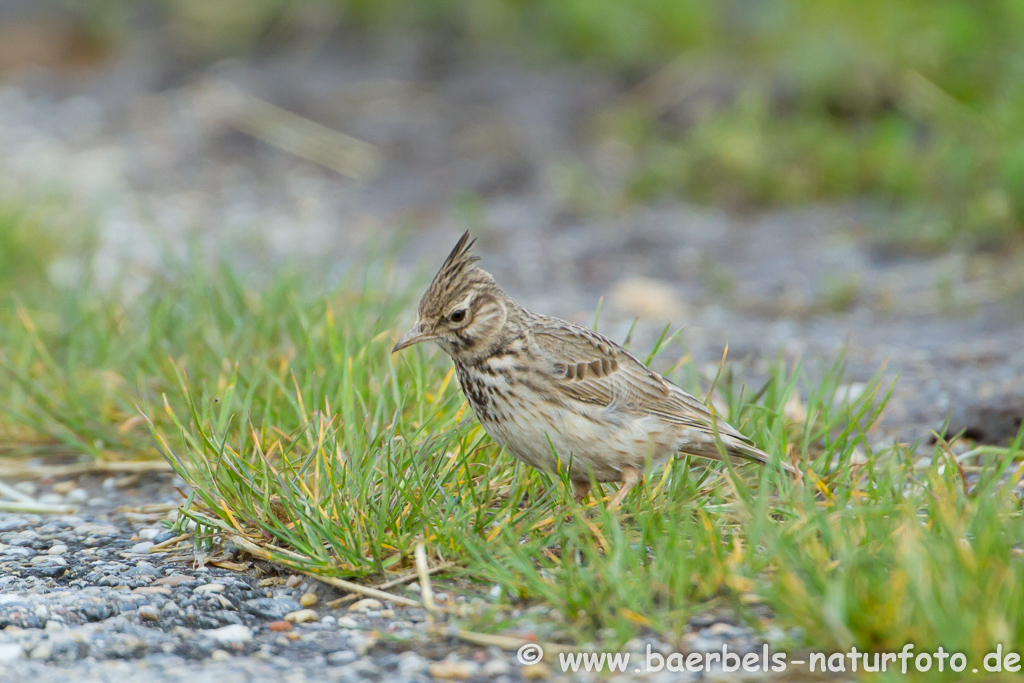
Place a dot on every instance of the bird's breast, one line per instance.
(538, 426)
(487, 389)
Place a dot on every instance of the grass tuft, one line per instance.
(306, 440)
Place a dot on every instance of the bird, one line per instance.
(556, 394)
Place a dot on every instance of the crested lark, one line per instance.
(541, 386)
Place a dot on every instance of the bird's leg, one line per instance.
(580, 489)
(630, 478)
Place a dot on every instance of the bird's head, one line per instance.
(463, 310)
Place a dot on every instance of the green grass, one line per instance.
(284, 408)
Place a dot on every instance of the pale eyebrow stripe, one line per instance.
(463, 304)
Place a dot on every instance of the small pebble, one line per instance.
(29, 488)
(10, 652)
(64, 487)
(23, 537)
(142, 548)
(41, 651)
(301, 616)
(270, 581)
(348, 622)
(226, 635)
(149, 534)
(148, 613)
(279, 626)
(308, 599)
(646, 298)
(57, 549)
(209, 588)
(365, 605)
(271, 608)
(163, 536)
(293, 581)
(536, 672)
(410, 663)
(172, 580)
(455, 670)
(341, 657)
(126, 481)
(495, 667)
(219, 655)
(144, 568)
(78, 496)
(722, 629)
(365, 668)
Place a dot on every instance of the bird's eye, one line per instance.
(458, 316)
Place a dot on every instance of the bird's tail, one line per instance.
(739, 453)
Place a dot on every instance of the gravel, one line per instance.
(101, 611)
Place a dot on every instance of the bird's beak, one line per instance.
(413, 336)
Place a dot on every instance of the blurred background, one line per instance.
(804, 177)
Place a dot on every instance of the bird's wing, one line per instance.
(589, 367)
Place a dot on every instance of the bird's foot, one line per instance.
(630, 478)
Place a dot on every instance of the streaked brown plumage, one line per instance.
(542, 386)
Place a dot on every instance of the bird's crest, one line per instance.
(455, 278)
(458, 260)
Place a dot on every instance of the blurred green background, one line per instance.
(915, 105)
